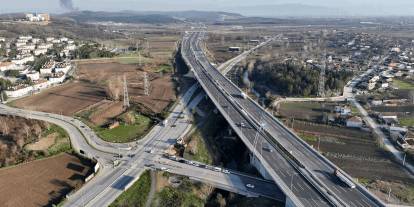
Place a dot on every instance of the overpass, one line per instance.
(305, 176)
(224, 179)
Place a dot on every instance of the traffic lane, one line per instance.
(220, 179)
(333, 184)
(77, 139)
(235, 113)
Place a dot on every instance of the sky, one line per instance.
(353, 7)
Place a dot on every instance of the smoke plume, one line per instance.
(67, 5)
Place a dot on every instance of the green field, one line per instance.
(137, 194)
(164, 68)
(310, 111)
(403, 85)
(126, 133)
(407, 121)
(62, 142)
(308, 137)
(132, 58)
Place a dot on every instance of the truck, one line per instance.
(243, 95)
(344, 179)
(165, 122)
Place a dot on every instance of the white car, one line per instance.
(226, 171)
(250, 185)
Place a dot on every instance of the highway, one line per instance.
(112, 179)
(315, 184)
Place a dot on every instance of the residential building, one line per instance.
(33, 75)
(63, 67)
(6, 66)
(23, 59)
(354, 122)
(47, 68)
(39, 51)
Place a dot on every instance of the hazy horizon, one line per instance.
(259, 8)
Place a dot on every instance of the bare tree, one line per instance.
(130, 118)
(4, 126)
(411, 95)
(113, 88)
(26, 130)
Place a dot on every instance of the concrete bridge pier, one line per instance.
(256, 163)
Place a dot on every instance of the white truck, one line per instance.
(243, 95)
(165, 122)
(344, 179)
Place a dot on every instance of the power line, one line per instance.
(126, 97)
(321, 89)
(146, 84)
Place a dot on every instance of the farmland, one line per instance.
(161, 90)
(88, 90)
(66, 99)
(48, 181)
(348, 148)
(404, 85)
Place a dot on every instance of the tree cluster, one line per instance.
(292, 79)
(15, 133)
(91, 51)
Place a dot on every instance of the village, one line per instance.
(31, 64)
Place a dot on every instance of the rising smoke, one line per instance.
(67, 5)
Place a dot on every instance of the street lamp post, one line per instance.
(405, 155)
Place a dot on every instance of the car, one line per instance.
(163, 168)
(173, 125)
(149, 151)
(217, 169)
(249, 185)
(148, 165)
(241, 124)
(195, 164)
(267, 148)
(226, 171)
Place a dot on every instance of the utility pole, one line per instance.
(139, 53)
(126, 97)
(389, 194)
(321, 89)
(405, 154)
(148, 48)
(319, 141)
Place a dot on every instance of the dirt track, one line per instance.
(42, 182)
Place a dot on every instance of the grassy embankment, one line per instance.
(137, 194)
(126, 132)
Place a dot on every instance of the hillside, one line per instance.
(149, 17)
